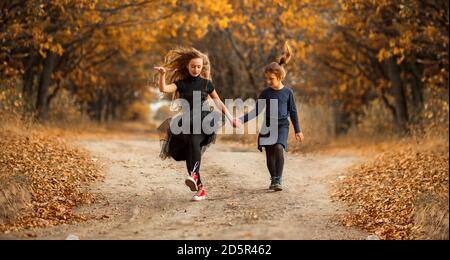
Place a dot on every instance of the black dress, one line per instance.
(175, 145)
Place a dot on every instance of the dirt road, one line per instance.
(146, 198)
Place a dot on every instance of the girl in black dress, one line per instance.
(186, 136)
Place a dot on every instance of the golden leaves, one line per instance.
(51, 172)
(342, 88)
(384, 192)
(383, 54)
(223, 23)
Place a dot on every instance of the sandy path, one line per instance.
(146, 198)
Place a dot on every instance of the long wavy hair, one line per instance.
(277, 68)
(177, 61)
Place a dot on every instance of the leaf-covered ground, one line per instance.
(41, 180)
(387, 193)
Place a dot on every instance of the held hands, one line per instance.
(299, 137)
(161, 70)
(236, 123)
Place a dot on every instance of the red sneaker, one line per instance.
(191, 181)
(201, 194)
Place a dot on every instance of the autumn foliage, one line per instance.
(346, 53)
(388, 194)
(41, 180)
(95, 57)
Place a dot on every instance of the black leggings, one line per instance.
(194, 153)
(275, 160)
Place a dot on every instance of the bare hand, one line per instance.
(299, 137)
(161, 70)
(236, 123)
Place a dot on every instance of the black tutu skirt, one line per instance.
(176, 145)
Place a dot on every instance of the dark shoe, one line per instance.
(278, 187)
(277, 184)
(272, 185)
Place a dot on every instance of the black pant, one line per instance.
(275, 160)
(194, 153)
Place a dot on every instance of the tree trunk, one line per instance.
(44, 83)
(401, 116)
(28, 79)
(342, 119)
(104, 108)
(53, 94)
(110, 110)
(416, 91)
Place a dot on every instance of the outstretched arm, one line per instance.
(259, 107)
(162, 81)
(215, 97)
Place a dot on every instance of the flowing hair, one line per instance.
(177, 60)
(176, 63)
(277, 68)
